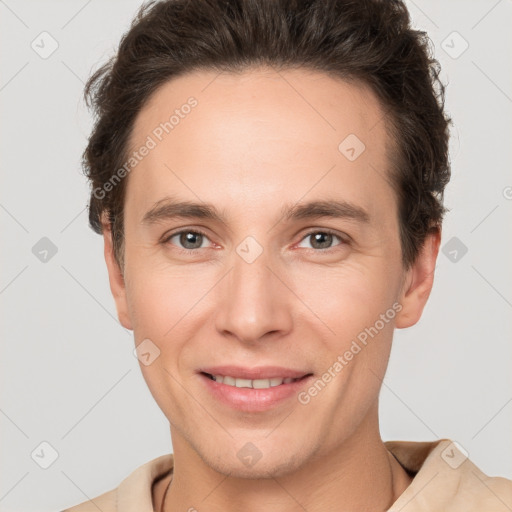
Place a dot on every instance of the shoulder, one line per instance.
(446, 479)
(134, 493)
(481, 492)
(106, 502)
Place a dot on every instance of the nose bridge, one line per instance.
(253, 301)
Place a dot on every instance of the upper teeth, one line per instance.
(248, 383)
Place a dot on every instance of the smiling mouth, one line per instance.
(253, 383)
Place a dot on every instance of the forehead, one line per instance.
(256, 134)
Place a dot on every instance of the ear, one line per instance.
(115, 277)
(418, 281)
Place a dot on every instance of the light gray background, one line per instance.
(68, 374)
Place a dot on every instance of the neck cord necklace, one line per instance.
(162, 508)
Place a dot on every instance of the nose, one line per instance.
(254, 303)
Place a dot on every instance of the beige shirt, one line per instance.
(445, 480)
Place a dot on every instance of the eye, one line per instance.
(189, 239)
(322, 239)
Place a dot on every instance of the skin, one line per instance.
(252, 144)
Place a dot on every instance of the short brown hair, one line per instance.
(370, 41)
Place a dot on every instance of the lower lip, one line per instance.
(254, 400)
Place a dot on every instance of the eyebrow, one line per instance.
(169, 208)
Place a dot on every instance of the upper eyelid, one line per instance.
(344, 239)
(325, 230)
(167, 237)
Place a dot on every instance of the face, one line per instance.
(289, 265)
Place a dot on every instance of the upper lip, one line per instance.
(259, 372)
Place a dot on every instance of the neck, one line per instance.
(359, 474)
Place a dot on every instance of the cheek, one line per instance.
(354, 305)
(348, 298)
(160, 298)
(164, 305)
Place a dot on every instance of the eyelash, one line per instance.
(343, 240)
(180, 249)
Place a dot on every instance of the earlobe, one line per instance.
(116, 278)
(418, 281)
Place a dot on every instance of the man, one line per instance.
(268, 178)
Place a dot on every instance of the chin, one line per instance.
(251, 463)
(259, 471)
